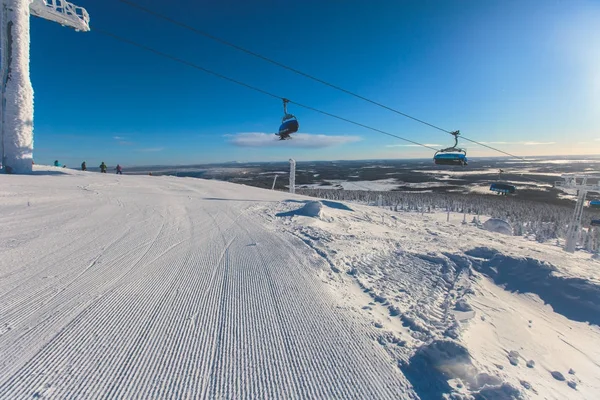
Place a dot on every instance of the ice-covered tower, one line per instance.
(292, 175)
(16, 111)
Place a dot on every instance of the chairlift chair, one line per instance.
(289, 123)
(451, 155)
(502, 188)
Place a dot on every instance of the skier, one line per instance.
(119, 169)
(83, 166)
(103, 167)
(56, 163)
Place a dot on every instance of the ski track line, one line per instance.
(142, 256)
(116, 245)
(56, 316)
(25, 268)
(337, 326)
(39, 289)
(77, 249)
(60, 304)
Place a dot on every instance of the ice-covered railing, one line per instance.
(62, 12)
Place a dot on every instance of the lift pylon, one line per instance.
(577, 184)
(16, 107)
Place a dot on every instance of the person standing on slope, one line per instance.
(103, 167)
(83, 166)
(119, 169)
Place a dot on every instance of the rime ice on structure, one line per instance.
(18, 92)
(16, 138)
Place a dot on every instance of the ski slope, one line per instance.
(149, 287)
(162, 287)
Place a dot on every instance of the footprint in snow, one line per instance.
(558, 376)
(513, 357)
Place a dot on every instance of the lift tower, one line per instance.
(16, 109)
(292, 175)
(577, 184)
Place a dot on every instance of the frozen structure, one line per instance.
(577, 184)
(16, 111)
(292, 175)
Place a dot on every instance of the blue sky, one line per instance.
(521, 75)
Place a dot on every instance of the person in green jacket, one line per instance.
(103, 167)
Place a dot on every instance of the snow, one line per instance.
(18, 111)
(423, 281)
(164, 287)
(310, 209)
(573, 161)
(376, 185)
(499, 226)
(459, 172)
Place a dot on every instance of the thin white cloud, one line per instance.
(597, 140)
(121, 140)
(538, 143)
(414, 145)
(530, 143)
(301, 140)
(151, 149)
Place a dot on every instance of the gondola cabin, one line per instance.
(595, 204)
(450, 159)
(503, 188)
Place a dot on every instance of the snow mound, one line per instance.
(498, 226)
(312, 209)
(434, 365)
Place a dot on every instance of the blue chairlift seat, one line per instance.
(288, 127)
(595, 222)
(595, 203)
(450, 159)
(504, 188)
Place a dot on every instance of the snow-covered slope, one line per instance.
(161, 287)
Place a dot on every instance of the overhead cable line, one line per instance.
(257, 89)
(306, 75)
(270, 60)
